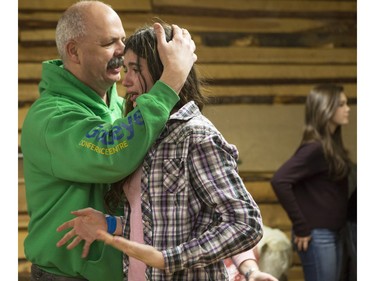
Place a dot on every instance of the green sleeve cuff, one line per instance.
(165, 94)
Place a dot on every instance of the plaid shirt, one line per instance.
(195, 207)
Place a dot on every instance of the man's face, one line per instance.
(137, 78)
(101, 51)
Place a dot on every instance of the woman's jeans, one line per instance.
(323, 259)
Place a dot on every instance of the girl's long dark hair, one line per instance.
(144, 44)
(321, 105)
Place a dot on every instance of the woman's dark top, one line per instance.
(305, 190)
(352, 207)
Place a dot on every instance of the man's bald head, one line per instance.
(76, 20)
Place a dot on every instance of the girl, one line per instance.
(312, 185)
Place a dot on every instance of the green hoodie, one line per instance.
(73, 146)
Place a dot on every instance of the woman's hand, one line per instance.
(84, 227)
(261, 276)
(256, 275)
(302, 242)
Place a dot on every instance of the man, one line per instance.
(73, 141)
(186, 207)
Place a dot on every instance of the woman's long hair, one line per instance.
(144, 44)
(321, 105)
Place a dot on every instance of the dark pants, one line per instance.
(350, 258)
(38, 274)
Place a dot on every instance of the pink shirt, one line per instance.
(239, 258)
(132, 190)
(233, 263)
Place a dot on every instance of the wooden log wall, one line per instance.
(260, 58)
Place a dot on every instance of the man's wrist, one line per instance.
(172, 80)
(111, 224)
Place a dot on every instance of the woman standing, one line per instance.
(312, 185)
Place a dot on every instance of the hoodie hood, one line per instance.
(56, 80)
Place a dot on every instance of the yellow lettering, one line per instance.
(102, 150)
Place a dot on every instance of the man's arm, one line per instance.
(79, 146)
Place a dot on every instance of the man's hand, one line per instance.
(177, 55)
(84, 227)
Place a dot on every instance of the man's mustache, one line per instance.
(115, 62)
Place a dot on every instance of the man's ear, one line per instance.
(72, 51)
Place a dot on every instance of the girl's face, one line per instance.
(137, 78)
(341, 115)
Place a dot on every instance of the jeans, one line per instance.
(323, 259)
(38, 274)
